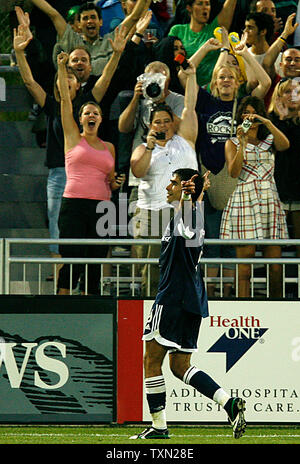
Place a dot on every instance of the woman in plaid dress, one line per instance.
(253, 210)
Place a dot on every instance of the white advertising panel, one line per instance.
(252, 350)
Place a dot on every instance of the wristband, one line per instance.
(223, 49)
(139, 35)
(282, 39)
(148, 148)
(186, 197)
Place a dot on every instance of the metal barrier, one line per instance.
(1, 265)
(221, 280)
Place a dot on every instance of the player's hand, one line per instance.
(188, 186)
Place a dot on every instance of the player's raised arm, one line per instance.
(189, 189)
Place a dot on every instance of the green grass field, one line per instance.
(119, 435)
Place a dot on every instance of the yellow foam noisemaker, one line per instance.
(218, 34)
(234, 40)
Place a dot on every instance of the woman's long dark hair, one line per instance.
(164, 51)
(259, 106)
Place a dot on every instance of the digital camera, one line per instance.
(153, 85)
(246, 124)
(160, 135)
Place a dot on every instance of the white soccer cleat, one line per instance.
(236, 417)
(152, 434)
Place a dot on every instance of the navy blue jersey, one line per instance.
(181, 281)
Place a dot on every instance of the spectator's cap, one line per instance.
(72, 13)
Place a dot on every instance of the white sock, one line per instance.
(159, 419)
(221, 397)
(156, 396)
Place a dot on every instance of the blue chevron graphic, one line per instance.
(234, 348)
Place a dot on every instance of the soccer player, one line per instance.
(181, 302)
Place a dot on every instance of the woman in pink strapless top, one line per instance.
(90, 172)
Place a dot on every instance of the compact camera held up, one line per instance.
(160, 136)
(246, 124)
(153, 85)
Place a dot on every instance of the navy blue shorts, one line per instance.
(173, 327)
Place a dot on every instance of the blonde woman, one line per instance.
(216, 124)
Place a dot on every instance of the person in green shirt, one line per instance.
(194, 34)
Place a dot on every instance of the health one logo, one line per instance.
(2, 89)
(15, 374)
(240, 335)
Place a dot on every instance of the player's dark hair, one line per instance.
(187, 174)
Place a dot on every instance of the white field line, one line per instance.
(118, 435)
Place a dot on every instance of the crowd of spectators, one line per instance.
(237, 49)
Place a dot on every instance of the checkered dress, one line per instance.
(253, 210)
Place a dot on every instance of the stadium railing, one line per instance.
(1, 265)
(10, 257)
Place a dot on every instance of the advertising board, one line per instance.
(57, 359)
(250, 348)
